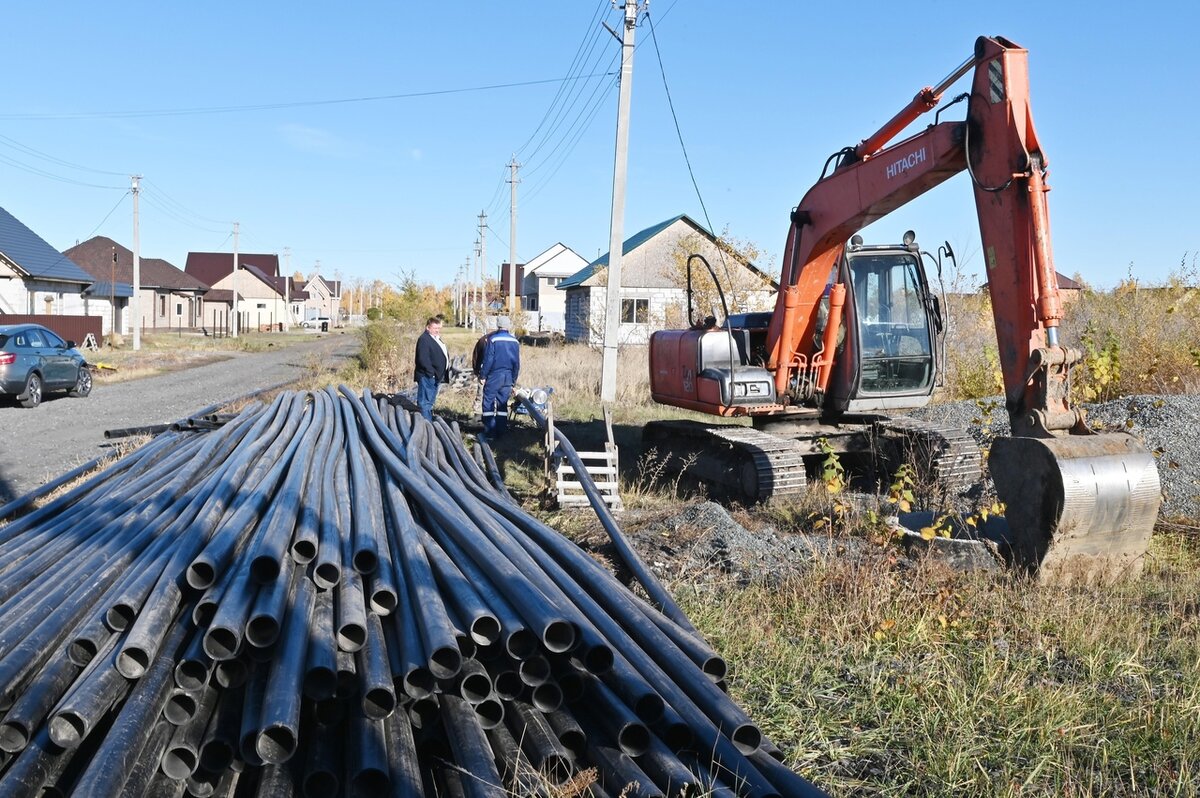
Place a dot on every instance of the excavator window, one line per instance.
(893, 323)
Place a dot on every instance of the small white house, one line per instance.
(544, 305)
(653, 296)
(35, 278)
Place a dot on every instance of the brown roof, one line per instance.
(212, 267)
(95, 256)
(221, 295)
(1065, 283)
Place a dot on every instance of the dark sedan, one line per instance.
(34, 360)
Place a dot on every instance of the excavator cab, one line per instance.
(892, 321)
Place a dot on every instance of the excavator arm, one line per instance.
(1081, 505)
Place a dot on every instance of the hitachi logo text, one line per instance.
(904, 164)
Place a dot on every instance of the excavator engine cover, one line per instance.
(1080, 508)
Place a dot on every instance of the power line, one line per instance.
(153, 201)
(162, 195)
(33, 170)
(229, 109)
(46, 157)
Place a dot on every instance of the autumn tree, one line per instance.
(746, 289)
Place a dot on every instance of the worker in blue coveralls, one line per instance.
(430, 369)
(501, 365)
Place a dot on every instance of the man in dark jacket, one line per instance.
(430, 369)
(501, 365)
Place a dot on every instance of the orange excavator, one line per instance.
(853, 339)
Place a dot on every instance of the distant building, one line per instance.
(35, 278)
(652, 296)
(544, 305)
(261, 301)
(169, 298)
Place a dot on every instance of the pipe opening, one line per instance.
(546, 697)
(67, 729)
(508, 685)
(475, 687)
(191, 675)
(179, 763)
(419, 683)
(303, 551)
(275, 744)
(445, 663)
(327, 575)
(371, 782)
(264, 569)
(574, 740)
(216, 756)
(204, 611)
(132, 663)
(485, 630)
(201, 575)
(118, 617)
(320, 683)
(558, 636)
(221, 643)
(649, 707)
(262, 631)
(81, 651)
(366, 562)
(677, 735)
(634, 739)
(378, 703)
(534, 671)
(384, 601)
(557, 768)
(597, 659)
(230, 673)
(747, 738)
(715, 668)
(180, 708)
(14, 736)
(521, 643)
(423, 713)
(490, 713)
(351, 637)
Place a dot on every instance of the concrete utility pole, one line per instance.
(513, 307)
(483, 262)
(234, 328)
(477, 289)
(137, 271)
(612, 315)
(287, 288)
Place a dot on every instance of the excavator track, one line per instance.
(753, 465)
(945, 455)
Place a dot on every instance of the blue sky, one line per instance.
(763, 92)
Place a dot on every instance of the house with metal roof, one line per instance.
(35, 278)
(168, 297)
(653, 283)
(324, 298)
(264, 300)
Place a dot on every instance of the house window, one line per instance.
(552, 280)
(635, 311)
(178, 308)
(162, 304)
(262, 305)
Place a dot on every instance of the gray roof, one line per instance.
(30, 253)
(106, 289)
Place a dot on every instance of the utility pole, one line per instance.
(483, 261)
(287, 288)
(476, 289)
(137, 271)
(236, 310)
(512, 236)
(112, 294)
(612, 315)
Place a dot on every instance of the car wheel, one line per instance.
(83, 383)
(33, 391)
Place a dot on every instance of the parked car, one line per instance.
(34, 360)
(319, 323)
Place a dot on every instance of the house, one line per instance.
(35, 278)
(544, 305)
(653, 294)
(261, 292)
(324, 298)
(168, 298)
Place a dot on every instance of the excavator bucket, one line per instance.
(1080, 508)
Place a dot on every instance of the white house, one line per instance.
(323, 298)
(653, 296)
(35, 278)
(545, 306)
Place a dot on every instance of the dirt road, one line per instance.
(37, 445)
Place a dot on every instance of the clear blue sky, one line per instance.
(764, 92)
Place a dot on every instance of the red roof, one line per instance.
(95, 256)
(212, 267)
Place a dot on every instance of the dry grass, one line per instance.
(161, 353)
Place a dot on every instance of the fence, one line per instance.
(69, 328)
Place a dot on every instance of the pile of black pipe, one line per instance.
(328, 595)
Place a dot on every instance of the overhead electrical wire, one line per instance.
(229, 109)
(59, 161)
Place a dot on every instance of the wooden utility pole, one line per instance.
(612, 314)
(135, 309)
